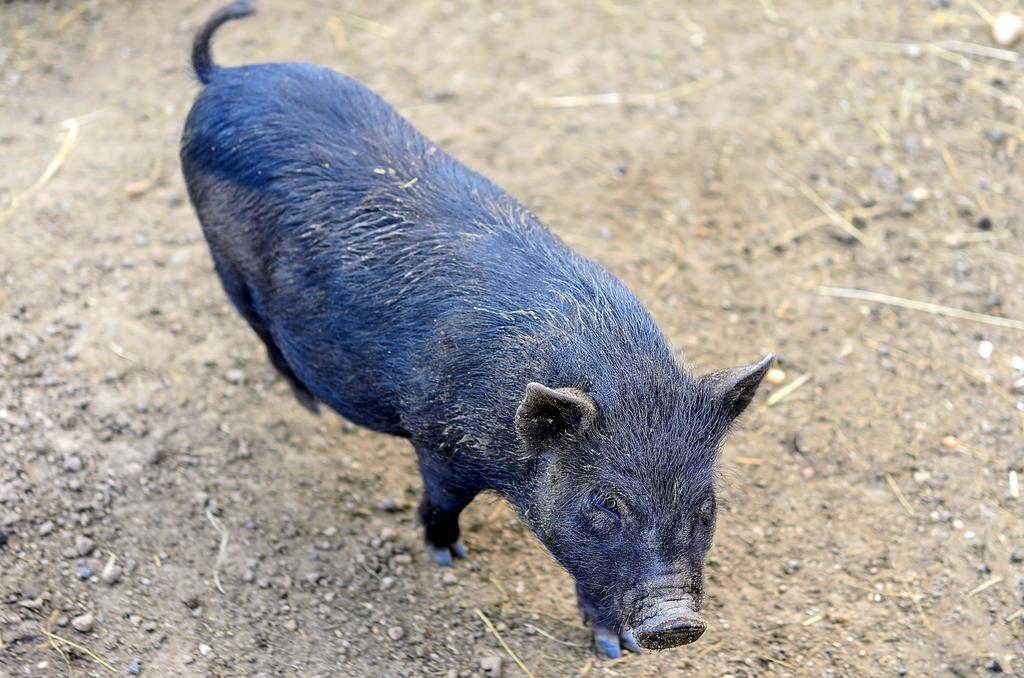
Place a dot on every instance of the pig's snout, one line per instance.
(669, 622)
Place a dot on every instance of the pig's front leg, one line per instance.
(607, 641)
(443, 500)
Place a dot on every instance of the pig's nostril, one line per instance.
(671, 633)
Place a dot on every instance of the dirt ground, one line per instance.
(870, 518)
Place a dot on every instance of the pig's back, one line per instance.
(378, 261)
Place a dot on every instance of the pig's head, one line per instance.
(624, 492)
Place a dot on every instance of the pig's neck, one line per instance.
(526, 495)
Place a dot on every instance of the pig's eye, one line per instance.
(608, 504)
(707, 510)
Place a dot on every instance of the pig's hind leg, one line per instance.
(443, 501)
(240, 295)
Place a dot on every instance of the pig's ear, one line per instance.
(736, 386)
(546, 414)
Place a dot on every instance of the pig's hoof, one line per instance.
(444, 555)
(611, 645)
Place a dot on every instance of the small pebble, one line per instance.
(154, 454)
(84, 545)
(204, 649)
(984, 223)
(950, 442)
(998, 137)
(73, 464)
(775, 376)
(46, 528)
(111, 573)
(83, 623)
(84, 571)
(449, 579)
(187, 659)
(396, 632)
(491, 665)
(235, 376)
(964, 206)
(919, 194)
(1018, 555)
(1007, 29)
(985, 349)
(1018, 386)
(134, 667)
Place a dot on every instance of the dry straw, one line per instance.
(922, 306)
(494, 632)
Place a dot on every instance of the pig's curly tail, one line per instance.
(202, 59)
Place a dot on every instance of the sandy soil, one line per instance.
(869, 523)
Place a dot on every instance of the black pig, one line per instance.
(414, 297)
